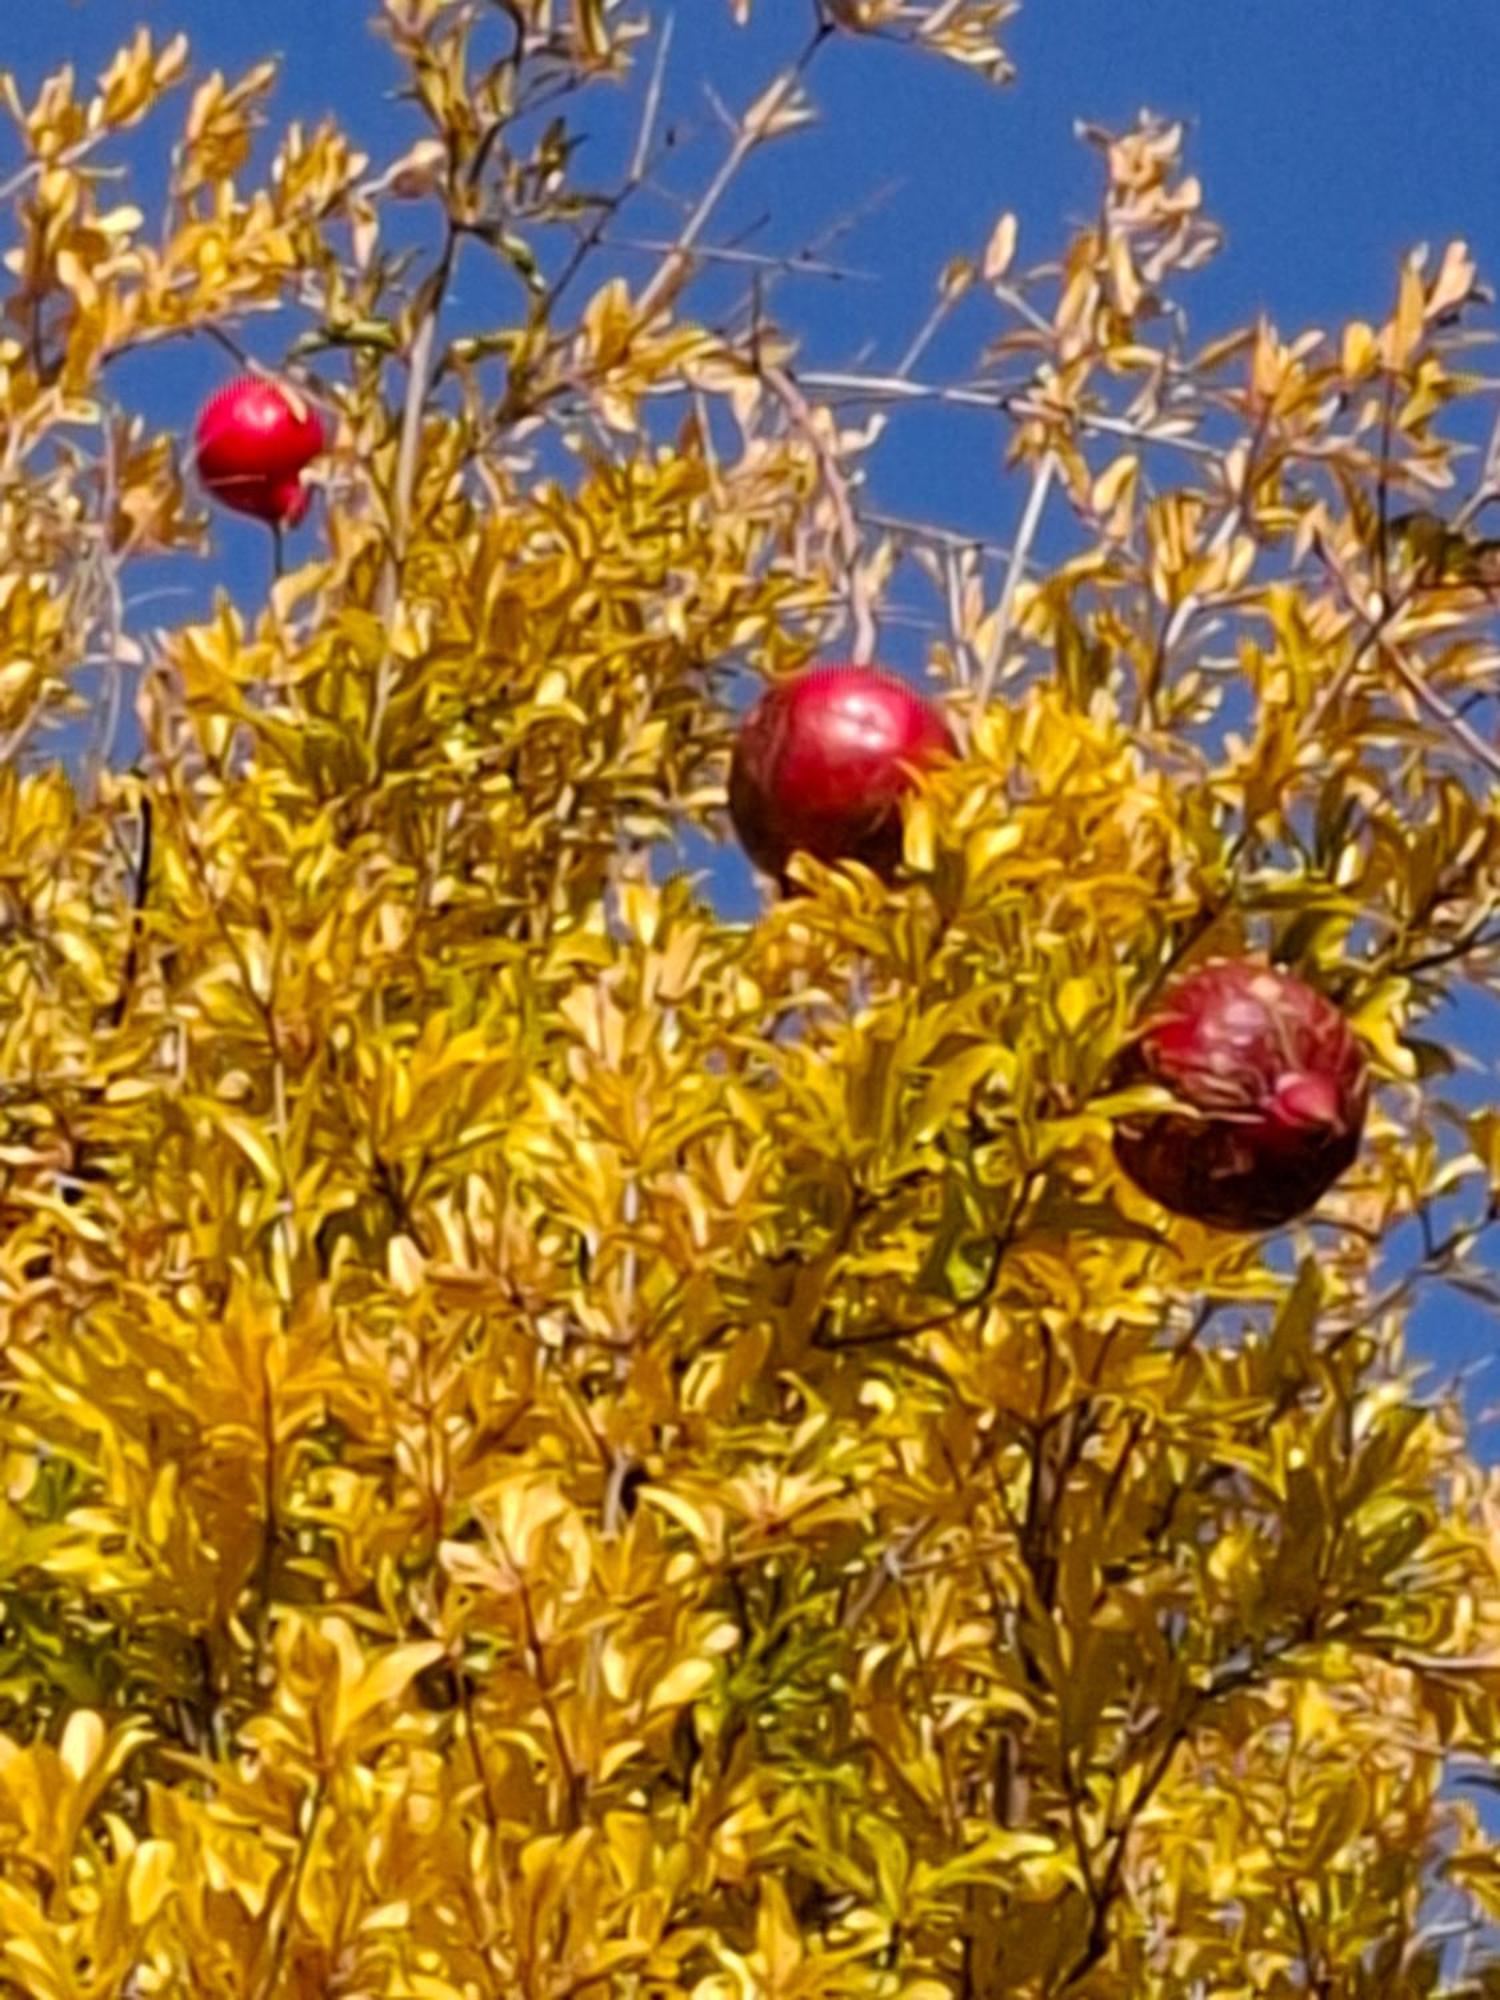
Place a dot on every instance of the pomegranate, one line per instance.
(821, 764)
(253, 441)
(1277, 1089)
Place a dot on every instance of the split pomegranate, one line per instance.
(821, 764)
(1275, 1089)
(254, 441)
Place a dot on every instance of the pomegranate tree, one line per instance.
(821, 764)
(254, 441)
(1274, 1091)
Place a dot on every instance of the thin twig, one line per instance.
(1378, 638)
(1005, 402)
(635, 179)
(286, 1909)
(857, 583)
(793, 264)
(994, 652)
(1186, 611)
(141, 891)
(651, 110)
(950, 538)
(675, 266)
(927, 332)
(107, 723)
(1427, 696)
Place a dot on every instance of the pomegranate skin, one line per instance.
(1278, 1081)
(253, 442)
(821, 764)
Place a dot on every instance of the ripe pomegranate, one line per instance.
(821, 763)
(1277, 1080)
(253, 441)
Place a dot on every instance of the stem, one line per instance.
(137, 920)
(105, 568)
(994, 652)
(861, 608)
(1437, 706)
(418, 386)
(287, 1909)
(270, 1531)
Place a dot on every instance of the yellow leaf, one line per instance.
(919, 836)
(252, 1142)
(151, 1881)
(389, 1917)
(1379, 1021)
(1001, 249)
(1361, 350)
(406, 1266)
(1404, 331)
(1075, 1002)
(704, 1525)
(681, 1684)
(1454, 283)
(82, 1743)
(382, 1680)
(778, 1936)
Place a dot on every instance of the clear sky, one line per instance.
(1330, 135)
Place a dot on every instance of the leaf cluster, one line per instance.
(557, 1442)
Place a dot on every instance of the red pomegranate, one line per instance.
(254, 439)
(821, 763)
(1278, 1084)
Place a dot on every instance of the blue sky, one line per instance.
(1330, 135)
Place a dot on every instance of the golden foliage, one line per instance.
(556, 1442)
